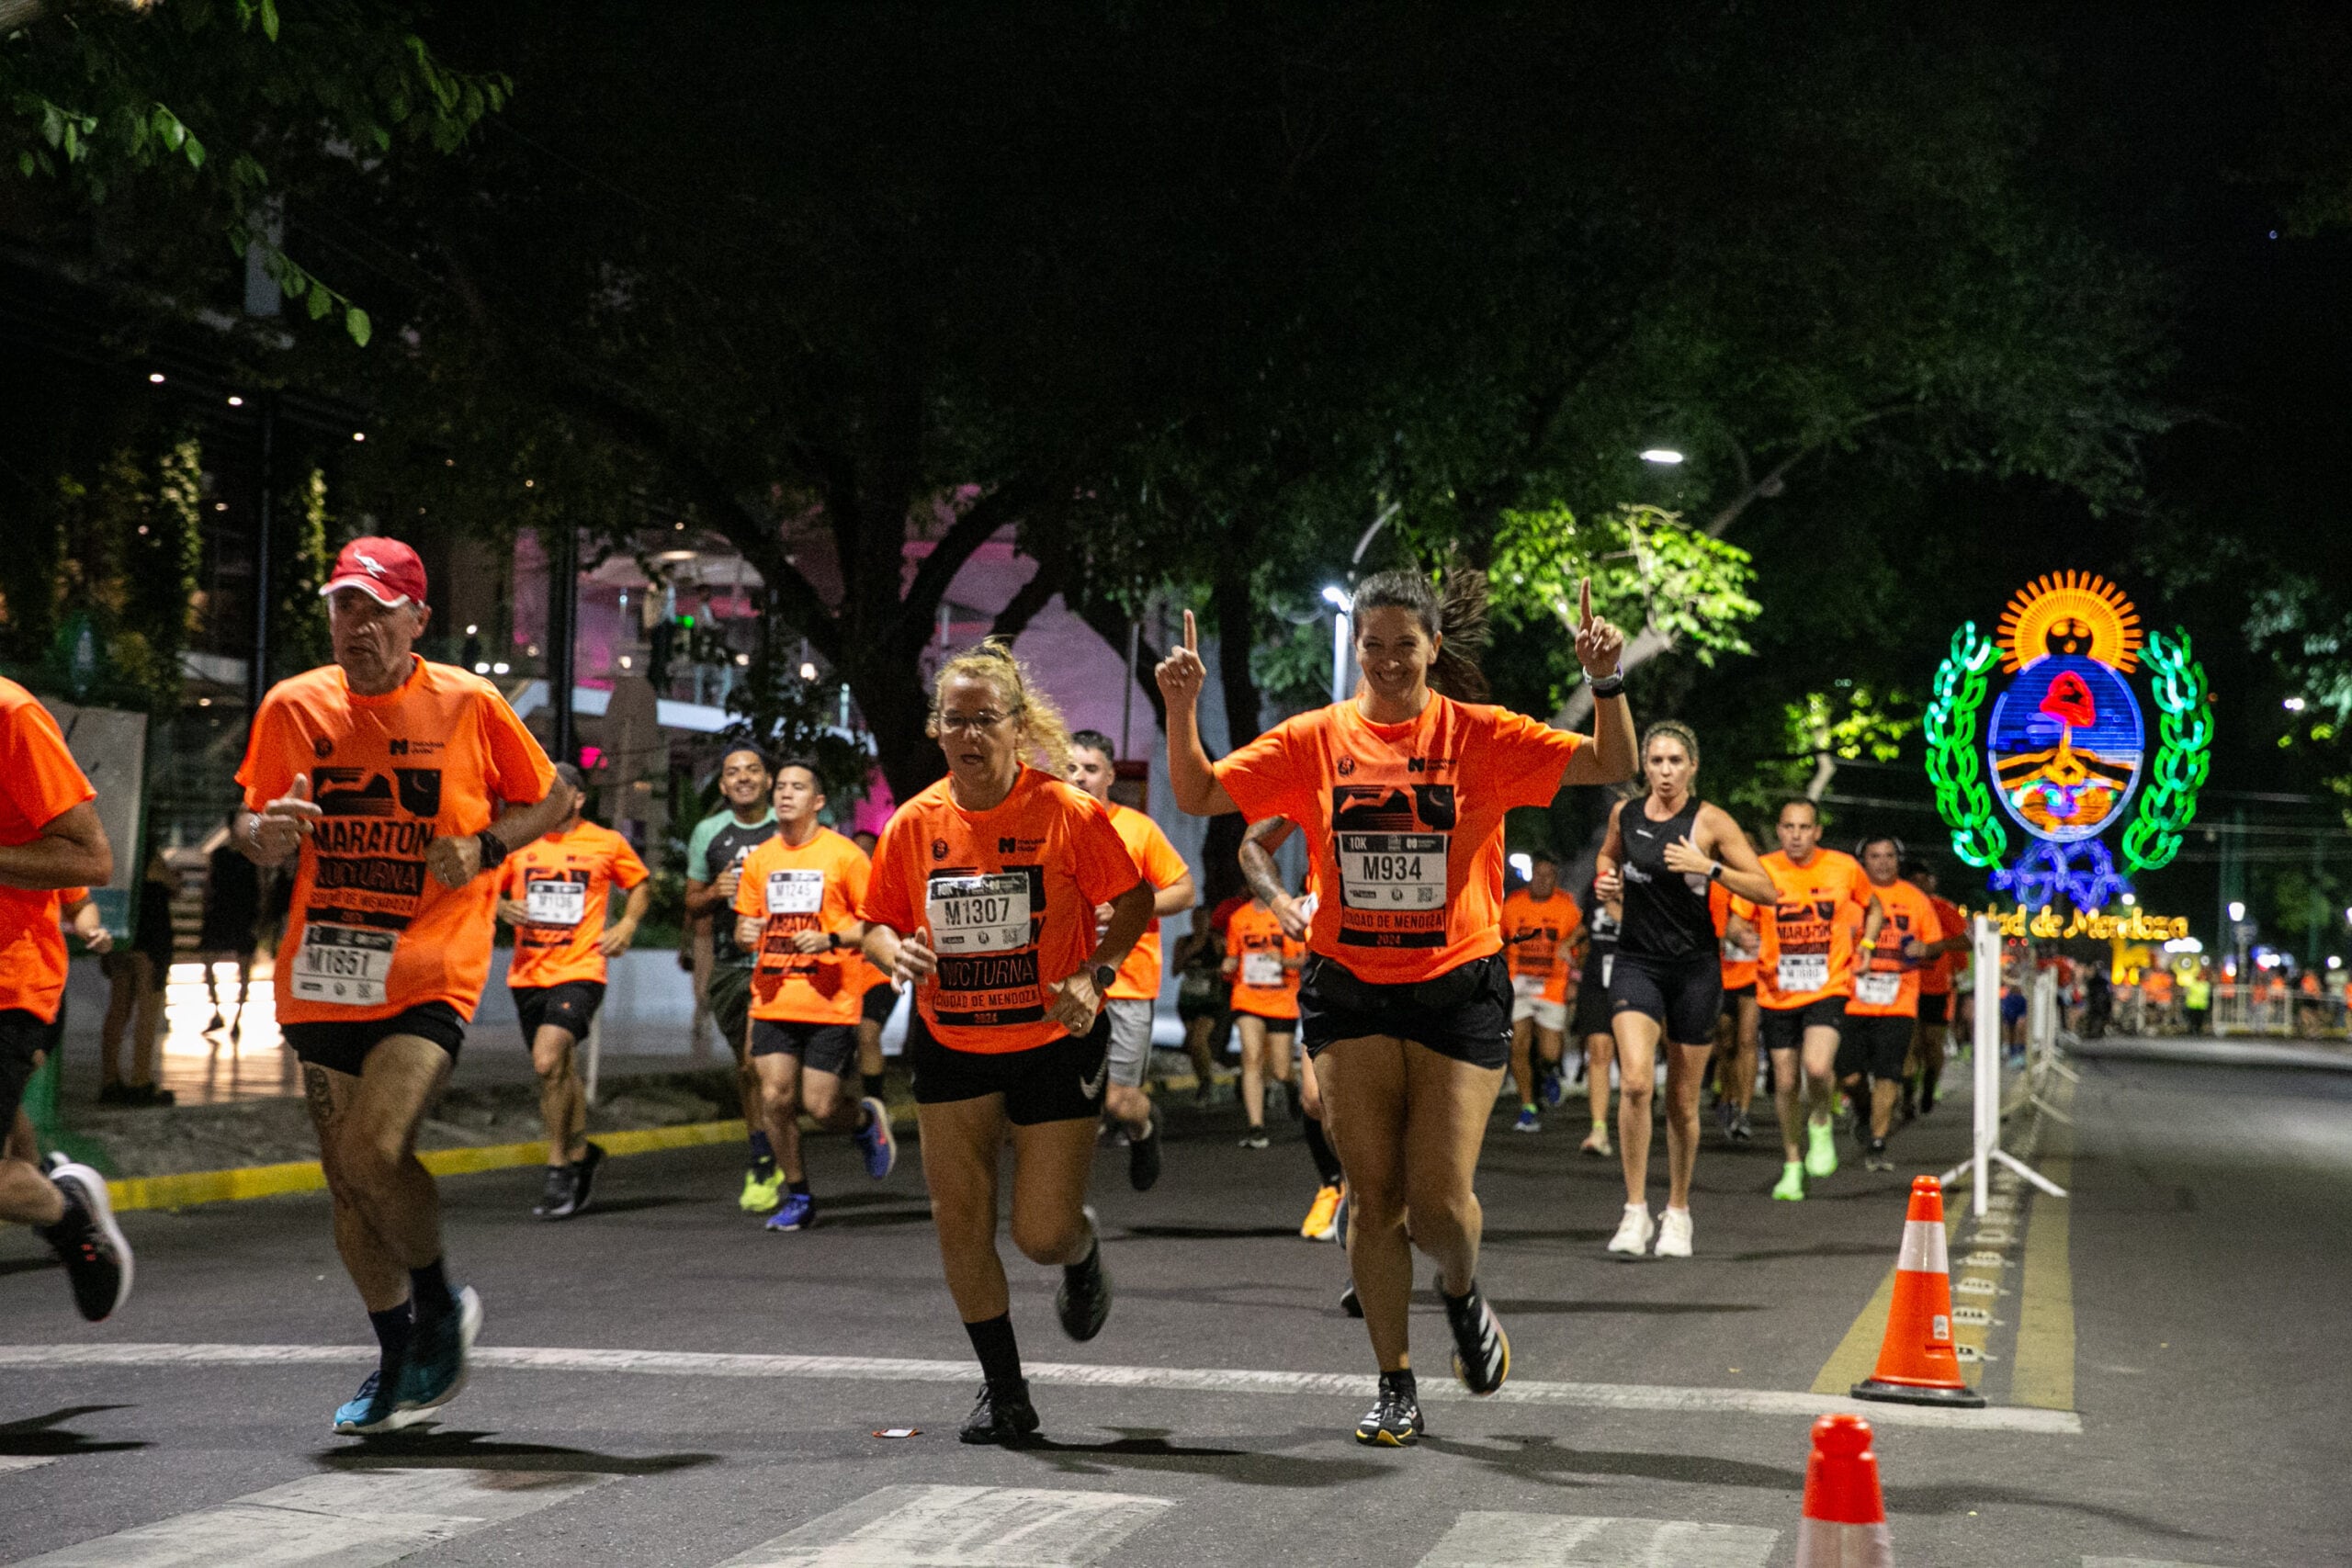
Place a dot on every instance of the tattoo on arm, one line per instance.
(1258, 867)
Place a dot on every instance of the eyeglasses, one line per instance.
(971, 723)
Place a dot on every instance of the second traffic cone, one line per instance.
(1917, 1363)
(1844, 1517)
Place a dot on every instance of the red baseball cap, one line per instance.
(387, 570)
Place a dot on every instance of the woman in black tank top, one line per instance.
(1664, 847)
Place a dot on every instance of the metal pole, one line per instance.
(257, 675)
(563, 614)
(1127, 700)
(1341, 637)
(1988, 1059)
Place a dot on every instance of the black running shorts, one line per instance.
(24, 1039)
(728, 998)
(344, 1047)
(1873, 1044)
(1685, 998)
(1463, 1013)
(822, 1047)
(879, 1000)
(570, 1007)
(1592, 1007)
(1783, 1028)
(1933, 1008)
(1059, 1081)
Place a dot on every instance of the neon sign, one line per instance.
(2064, 748)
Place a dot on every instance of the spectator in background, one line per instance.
(137, 973)
(2098, 1001)
(2156, 998)
(2197, 1000)
(232, 919)
(1204, 995)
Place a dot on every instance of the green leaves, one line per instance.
(1649, 570)
(356, 322)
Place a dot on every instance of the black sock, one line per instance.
(1401, 1380)
(1327, 1164)
(801, 1187)
(875, 1084)
(1088, 1263)
(428, 1291)
(992, 1342)
(392, 1326)
(763, 1156)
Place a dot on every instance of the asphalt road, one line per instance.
(2205, 1302)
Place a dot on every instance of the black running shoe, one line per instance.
(1877, 1159)
(86, 1240)
(1481, 1349)
(1395, 1421)
(558, 1199)
(1084, 1300)
(1143, 1155)
(1003, 1414)
(1349, 1302)
(584, 1176)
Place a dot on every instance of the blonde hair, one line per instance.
(1043, 731)
(1674, 730)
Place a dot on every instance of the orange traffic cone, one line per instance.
(1917, 1364)
(1845, 1518)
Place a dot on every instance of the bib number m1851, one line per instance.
(344, 966)
(1392, 871)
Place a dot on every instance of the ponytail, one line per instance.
(1455, 609)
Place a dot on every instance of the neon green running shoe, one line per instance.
(1821, 1149)
(1792, 1186)
(761, 1197)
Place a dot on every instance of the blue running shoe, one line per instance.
(874, 1140)
(1528, 1121)
(435, 1370)
(797, 1213)
(1553, 1090)
(372, 1409)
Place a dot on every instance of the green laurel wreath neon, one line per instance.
(1954, 766)
(2168, 799)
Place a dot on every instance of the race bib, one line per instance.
(344, 966)
(1801, 972)
(1877, 989)
(796, 892)
(552, 902)
(1392, 871)
(1529, 986)
(1263, 970)
(980, 914)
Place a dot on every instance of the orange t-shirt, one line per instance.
(1404, 824)
(1807, 951)
(1886, 984)
(816, 886)
(564, 880)
(1739, 962)
(1263, 985)
(1935, 980)
(1536, 938)
(371, 933)
(1162, 867)
(1007, 897)
(39, 782)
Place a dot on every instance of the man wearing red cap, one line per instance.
(396, 784)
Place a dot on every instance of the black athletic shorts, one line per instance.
(729, 997)
(1873, 1044)
(1783, 1028)
(570, 1007)
(1734, 993)
(825, 1048)
(1463, 1013)
(344, 1047)
(1934, 1009)
(1686, 999)
(23, 1039)
(1059, 1081)
(879, 1000)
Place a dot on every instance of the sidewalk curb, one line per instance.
(195, 1186)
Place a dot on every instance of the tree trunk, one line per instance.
(1236, 633)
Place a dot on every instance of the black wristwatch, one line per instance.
(1104, 974)
(1610, 685)
(832, 942)
(493, 848)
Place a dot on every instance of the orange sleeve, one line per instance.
(520, 774)
(42, 779)
(1103, 869)
(271, 763)
(888, 891)
(627, 869)
(857, 876)
(1528, 758)
(751, 887)
(1268, 777)
(1162, 866)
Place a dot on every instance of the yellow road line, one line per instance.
(304, 1176)
(2045, 1369)
(1856, 1354)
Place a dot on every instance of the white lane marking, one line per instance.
(23, 1462)
(961, 1527)
(344, 1520)
(2137, 1563)
(1196, 1380)
(1498, 1539)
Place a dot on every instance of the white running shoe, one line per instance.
(1634, 1232)
(1674, 1234)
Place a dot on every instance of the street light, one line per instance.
(2237, 910)
(1664, 456)
(1342, 634)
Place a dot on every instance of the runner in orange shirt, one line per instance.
(50, 843)
(1883, 1018)
(1736, 1032)
(1135, 992)
(795, 909)
(1804, 972)
(983, 897)
(1294, 916)
(1539, 925)
(554, 891)
(1935, 996)
(382, 777)
(1263, 963)
(877, 999)
(1405, 1002)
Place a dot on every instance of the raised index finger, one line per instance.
(1584, 600)
(1192, 634)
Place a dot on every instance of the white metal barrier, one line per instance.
(2042, 1023)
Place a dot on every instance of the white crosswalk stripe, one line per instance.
(2139, 1562)
(1494, 1538)
(347, 1520)
(23, 1462)
(961, 1527)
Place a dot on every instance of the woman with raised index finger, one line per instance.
(1404, 1000)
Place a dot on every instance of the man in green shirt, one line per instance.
(714, 857)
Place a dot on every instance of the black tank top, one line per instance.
(1600, 940)
(1667, 920)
